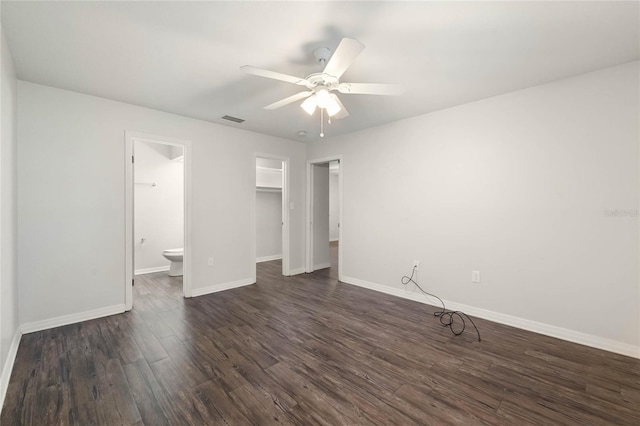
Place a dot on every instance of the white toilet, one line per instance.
(175, 257)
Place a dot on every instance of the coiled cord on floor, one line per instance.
(446, 317)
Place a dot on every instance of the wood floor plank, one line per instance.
(220, 404)
(257, 409)
(261, 382)
(54, 404)
(116, 386)
(142, 381)
(151, 413)
(113, 332)
(149, 345)
(186, 364)
(217, 364)
(169, 377)
(307, 350)
(324, 407)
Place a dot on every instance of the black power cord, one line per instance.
(446, 317)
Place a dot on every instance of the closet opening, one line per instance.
(271, 214)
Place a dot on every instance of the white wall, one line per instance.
(8, 215)
(159, 209)
(516, 186)
(334, 207)
(268, 225)
(71, 173)
(321, 257)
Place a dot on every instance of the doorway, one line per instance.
(158, 182)
(271, 213)
(324, 215)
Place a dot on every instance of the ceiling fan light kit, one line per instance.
(320, 85)
(332, 105)
(324, 100)
(309, 105)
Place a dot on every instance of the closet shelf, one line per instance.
(268, 189)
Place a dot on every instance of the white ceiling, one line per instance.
(184, 57)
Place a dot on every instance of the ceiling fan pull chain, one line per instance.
(322, 122)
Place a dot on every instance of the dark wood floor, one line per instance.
(307, 350)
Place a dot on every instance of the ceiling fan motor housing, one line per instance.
(319, 81)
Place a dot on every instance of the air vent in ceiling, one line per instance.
(234, 119)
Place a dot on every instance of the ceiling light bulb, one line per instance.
(333, 107)
(309, 105)
(323, 98)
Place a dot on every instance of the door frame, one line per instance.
(286, 229)
(309, 212)
(130, 138)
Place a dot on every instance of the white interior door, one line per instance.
(320, 217)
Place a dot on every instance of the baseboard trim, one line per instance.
(221, 287)
(269, 258)
(32, 327)
(522, 323)
(150, 270)
(7, 368)
(297, 271)
(322, 266)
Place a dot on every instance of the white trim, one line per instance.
(333, 240)
(151, 270)
(322, 266)
(297, 271)
(286, 225)
(522, 323)
(128, 222)
(7, 368)
(269, 258)
(31, 327)
(221, 287)
(130, 137)
(308, 261)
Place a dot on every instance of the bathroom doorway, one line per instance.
(157, 213)
(324, 216)
(271, 213)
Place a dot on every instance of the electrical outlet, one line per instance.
(416, 265)
(210, 261)
(475, 276)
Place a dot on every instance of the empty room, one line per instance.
(327, 212)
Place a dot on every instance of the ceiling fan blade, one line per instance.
(274, 75)
(289, 100)
(343, 57)
(371, 89)
(343, 111)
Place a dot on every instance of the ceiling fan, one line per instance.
(321, 85)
